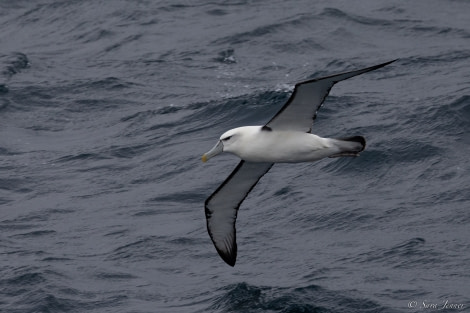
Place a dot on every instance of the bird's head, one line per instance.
(230, 141)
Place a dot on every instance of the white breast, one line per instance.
(283, 146)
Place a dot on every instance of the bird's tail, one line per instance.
(350, 146)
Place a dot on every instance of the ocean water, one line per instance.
(107, 106)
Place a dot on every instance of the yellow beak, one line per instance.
(218, 148)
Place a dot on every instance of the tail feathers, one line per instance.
(350, 146)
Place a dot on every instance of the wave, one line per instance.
(10, 65)
(243, 297)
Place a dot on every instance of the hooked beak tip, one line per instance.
(218, 148)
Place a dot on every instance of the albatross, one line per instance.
(286, 138)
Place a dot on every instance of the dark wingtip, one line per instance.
(230, 262)
(386, 63)
(229, 258)
(372, 68)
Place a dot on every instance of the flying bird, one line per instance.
(285, 138)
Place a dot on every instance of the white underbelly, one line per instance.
(288, 147)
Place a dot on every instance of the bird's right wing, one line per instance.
(222, 207)
(300, 110)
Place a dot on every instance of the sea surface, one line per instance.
(107, 106)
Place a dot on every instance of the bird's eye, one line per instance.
(226, 138)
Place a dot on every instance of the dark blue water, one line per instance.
(107, 106)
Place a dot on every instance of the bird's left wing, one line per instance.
(300, 110)
(222, 207)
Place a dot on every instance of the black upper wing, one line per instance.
(301, 108)
(222, 207)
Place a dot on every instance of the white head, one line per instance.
(231, 141)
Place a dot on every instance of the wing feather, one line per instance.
(300, 110)
(222, 207)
